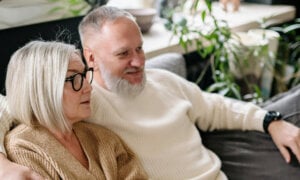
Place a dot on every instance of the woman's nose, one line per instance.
(87, 85)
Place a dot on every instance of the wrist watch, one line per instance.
(270, 117)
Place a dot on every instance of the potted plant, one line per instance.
(210, 44)
(287, 67)
(212, 38)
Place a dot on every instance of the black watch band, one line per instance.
(270, 116)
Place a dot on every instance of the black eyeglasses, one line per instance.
(77, 79)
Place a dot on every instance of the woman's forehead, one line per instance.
(75, 62)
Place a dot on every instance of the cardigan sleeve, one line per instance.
(129, 167)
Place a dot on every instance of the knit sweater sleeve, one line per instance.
(6, 122)
(214, 111)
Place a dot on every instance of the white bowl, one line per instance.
(144, 17)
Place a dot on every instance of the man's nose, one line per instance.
(138, 60)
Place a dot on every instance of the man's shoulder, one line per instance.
(155, 73)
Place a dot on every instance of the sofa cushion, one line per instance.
(253, 155)
(173, 62)
(288, 103)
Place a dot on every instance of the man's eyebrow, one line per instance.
(118, 51)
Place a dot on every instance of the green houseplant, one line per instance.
(76, 7)
(288, 59)
(210, 44)
(213, 42)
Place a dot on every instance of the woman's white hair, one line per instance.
(35, 82)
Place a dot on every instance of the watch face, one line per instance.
(270, 116)
(275, 115)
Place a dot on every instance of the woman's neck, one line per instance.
(71, 142)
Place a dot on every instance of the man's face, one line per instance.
(117, 52)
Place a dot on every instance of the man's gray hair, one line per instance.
(94, 20)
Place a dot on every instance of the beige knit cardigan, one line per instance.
(108, 156)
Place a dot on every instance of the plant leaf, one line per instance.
(292, 27)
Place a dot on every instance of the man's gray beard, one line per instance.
(121, 86)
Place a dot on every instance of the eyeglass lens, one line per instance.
(78, 79)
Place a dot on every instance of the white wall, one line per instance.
(21, 12)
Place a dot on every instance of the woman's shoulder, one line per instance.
(20, 131)
(23, 136)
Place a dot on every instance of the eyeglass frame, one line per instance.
(83, 76)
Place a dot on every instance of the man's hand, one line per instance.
(286, 135)
(10, 170)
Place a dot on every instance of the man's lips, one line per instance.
(133, 70)
(134, 73)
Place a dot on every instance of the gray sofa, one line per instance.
(247, 155)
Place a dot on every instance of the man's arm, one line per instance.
(286, 136)
(6, 121)
(10, 170)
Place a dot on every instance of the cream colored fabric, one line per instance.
(159, 124)
(6, 121)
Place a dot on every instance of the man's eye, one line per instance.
(125, 53)
(139, 49)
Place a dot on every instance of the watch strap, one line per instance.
(270, 117)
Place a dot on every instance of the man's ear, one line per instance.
(89, 57)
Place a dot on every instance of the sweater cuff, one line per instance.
(2, 149)
(6, 122)
(260, 115)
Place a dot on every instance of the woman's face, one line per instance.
(76, 104)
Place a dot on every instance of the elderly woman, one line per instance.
(48, 91)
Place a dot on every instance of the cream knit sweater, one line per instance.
(160, 124)
(108, 157)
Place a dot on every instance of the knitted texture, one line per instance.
(108, 156)
(160, 124)
(6, 121)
